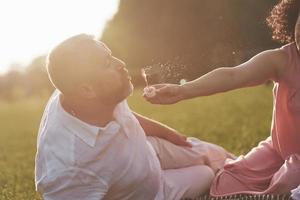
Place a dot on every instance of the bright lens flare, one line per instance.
(56, 21)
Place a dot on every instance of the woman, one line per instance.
(274, 165)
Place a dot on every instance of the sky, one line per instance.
(29, 28)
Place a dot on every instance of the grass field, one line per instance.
(236, 120)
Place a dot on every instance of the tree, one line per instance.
(201, 34)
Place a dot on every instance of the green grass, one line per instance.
(236, 120)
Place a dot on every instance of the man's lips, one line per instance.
(126, 74)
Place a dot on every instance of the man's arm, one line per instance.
(157, 129)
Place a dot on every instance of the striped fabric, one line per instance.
(246, 197)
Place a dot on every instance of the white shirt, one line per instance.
(76, 160)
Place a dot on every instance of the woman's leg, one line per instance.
(248, 174)
(287, 177)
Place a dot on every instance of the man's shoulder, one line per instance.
(47, 121)
(52, 129)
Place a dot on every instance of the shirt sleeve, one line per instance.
(75, 184)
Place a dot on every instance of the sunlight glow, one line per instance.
(30, 28)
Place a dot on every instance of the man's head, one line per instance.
(83, 67)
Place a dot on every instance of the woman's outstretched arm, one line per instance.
(268, 65)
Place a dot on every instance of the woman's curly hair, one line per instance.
(282, 20)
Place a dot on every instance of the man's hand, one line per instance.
(166, 94)
(177, 139)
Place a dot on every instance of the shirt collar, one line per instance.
(86, 132)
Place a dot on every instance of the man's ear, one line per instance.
(87, 91)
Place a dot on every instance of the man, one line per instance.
(92, 146)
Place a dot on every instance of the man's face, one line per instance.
(111, 81)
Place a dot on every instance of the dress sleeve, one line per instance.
(75, 184)
(290, 50)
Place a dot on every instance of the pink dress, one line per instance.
(274, 165)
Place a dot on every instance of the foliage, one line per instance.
(201, 34)
(33, 81)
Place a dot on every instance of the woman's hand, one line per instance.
(166, 94)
